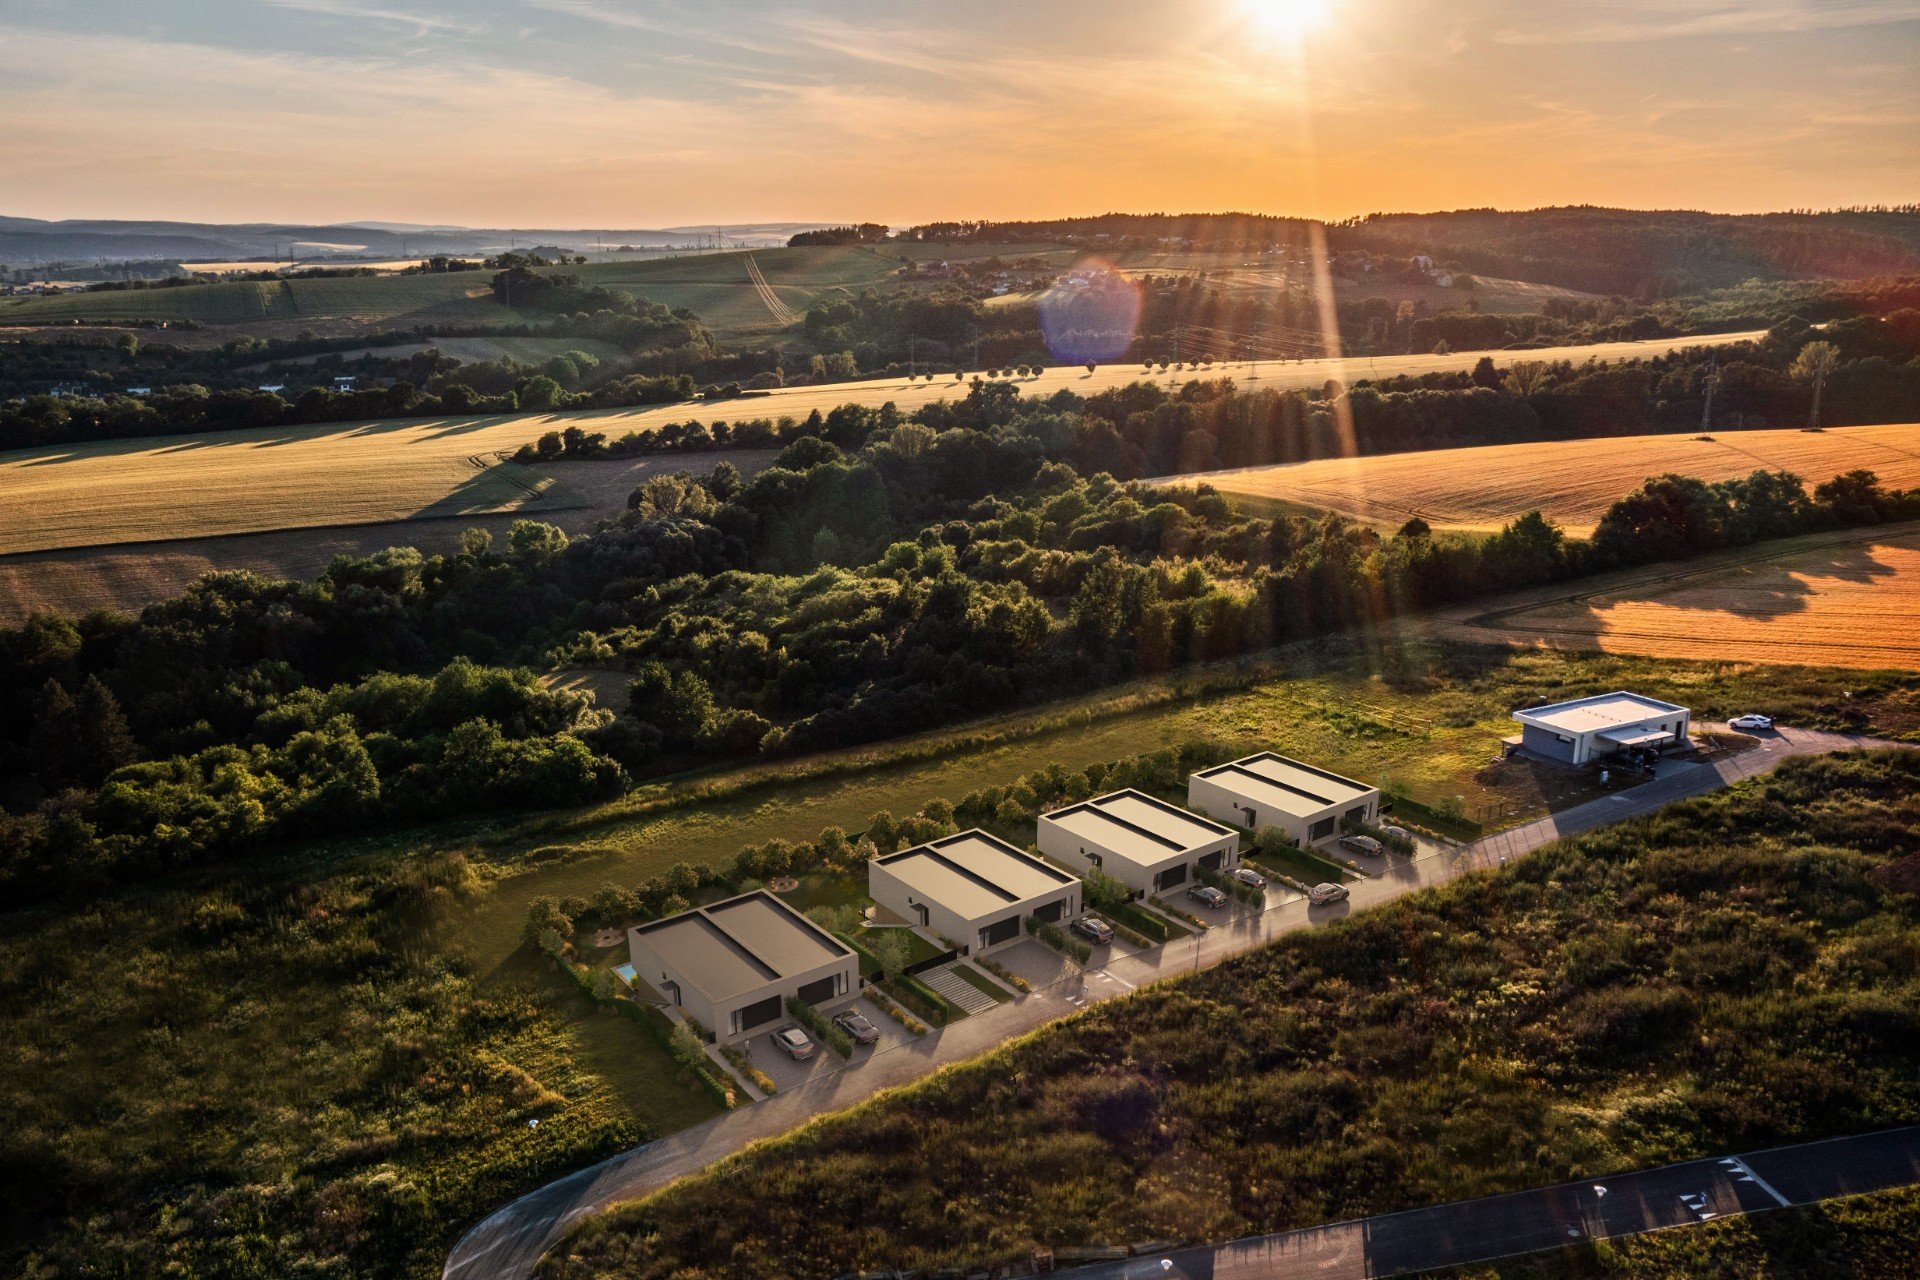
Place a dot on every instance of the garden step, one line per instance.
(951, 986)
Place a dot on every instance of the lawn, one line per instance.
(1721, 976)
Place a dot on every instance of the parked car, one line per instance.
(1399, 833)
(1093, 929)
(1362, 844)
(1207, 896)
(1321, 894)
(855, 1024)
(794, 1042)
(1750, 722)
(1249, 877)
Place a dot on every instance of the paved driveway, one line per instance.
(788, 1073)
(506, 1245)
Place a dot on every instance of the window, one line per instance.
(824, 989)
(1000, 931)
(1321, 829)
(1170, 877)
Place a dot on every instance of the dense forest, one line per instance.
(1722, 976)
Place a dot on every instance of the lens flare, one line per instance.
(1090, 313)
(1285, 18)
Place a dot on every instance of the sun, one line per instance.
(1287, 18)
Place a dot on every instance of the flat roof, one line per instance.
(1287, 784)
(1133, 825)
(1601, 711)
(738, 945)
(973, 873)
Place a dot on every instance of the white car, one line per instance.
(1748, 723)
(1321, 894)
(1249, 877)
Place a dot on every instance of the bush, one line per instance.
(822, 1026)
(1059, 939)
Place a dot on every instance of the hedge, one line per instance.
(809, 1017)
(1057, 938)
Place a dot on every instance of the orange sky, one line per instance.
(603, 113)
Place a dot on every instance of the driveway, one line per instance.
(506, 1245)
(788, 1073)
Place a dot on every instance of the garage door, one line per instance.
(1001, 931)
(1171, 876)
(758, 1015)
(825, 989)
(1051, 913)
(1211, 861)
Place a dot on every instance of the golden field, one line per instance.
(1845, 599)
(167, 487)
(1569, 481)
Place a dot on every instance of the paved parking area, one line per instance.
(788, 1074)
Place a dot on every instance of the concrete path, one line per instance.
(506, 1245)
(1486, 1230)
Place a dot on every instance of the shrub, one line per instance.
(822, 1026)
(1059, 939)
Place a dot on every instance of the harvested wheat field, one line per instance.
(168, 487)
(1844, 599)
(127, 578)
(1570, 481)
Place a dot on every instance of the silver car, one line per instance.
(794, 1042)
(1321, 894)
(1249, 877)
(1748, 723)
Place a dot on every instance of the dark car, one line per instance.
(1207, 896)
(855, 1024)
(1093, 929)
(1363, 844)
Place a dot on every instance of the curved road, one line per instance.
(507, 1244)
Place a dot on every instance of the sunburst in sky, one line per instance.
(628, 113)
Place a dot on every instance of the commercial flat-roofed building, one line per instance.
(1269, 790)
(1584, 729)
(972, 888)
(1146, 844)
(731, 965)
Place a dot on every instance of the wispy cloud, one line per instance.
(420, 23)
(1648, 20)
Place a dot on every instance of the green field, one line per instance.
(714, 286)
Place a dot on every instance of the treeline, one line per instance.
(180, 410)
(858, 233)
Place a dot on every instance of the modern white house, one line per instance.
(1146, 844)
(972, 888)
(731, 965)
(1586, 729)
(1269, 790)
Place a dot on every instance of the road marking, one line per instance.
(1735, 1162)
(1110, 978)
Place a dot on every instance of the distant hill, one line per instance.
(1644, 253)
(1649, 253)
(32, 242)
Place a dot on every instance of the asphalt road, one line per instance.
(506, 1245)
(1474, 1231)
